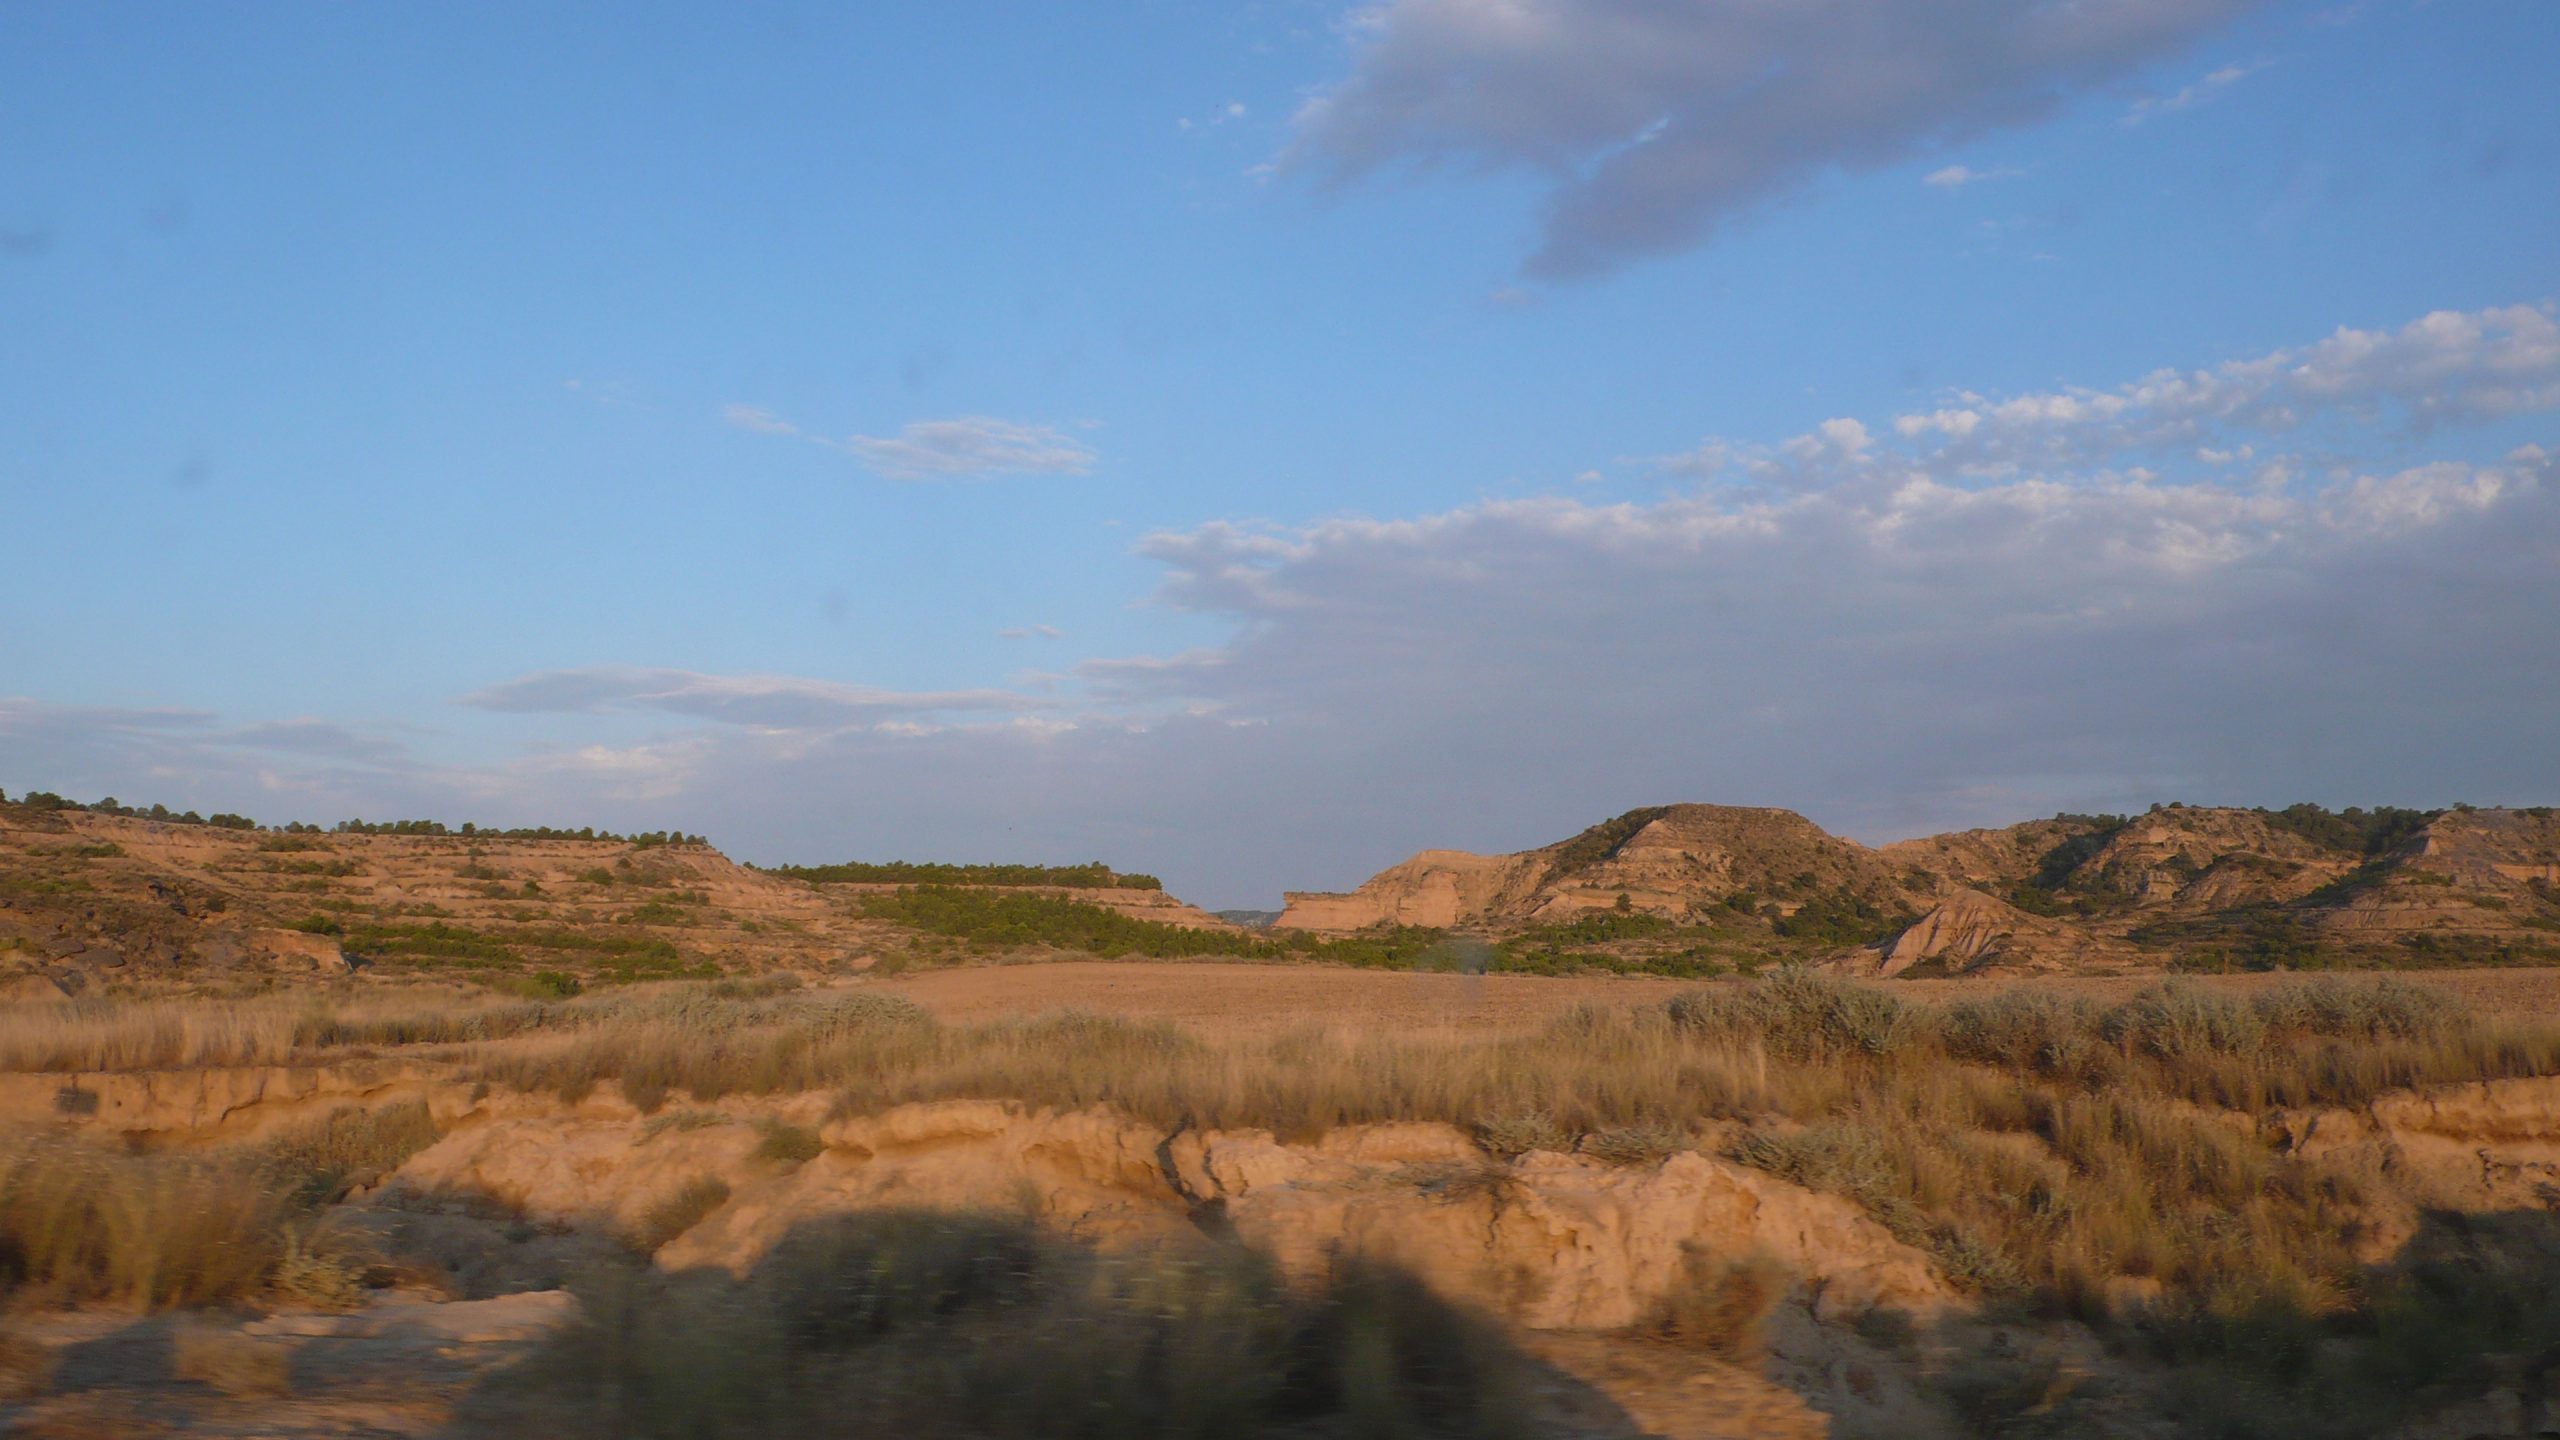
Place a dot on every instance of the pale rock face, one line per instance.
(2196, 858)
(1970, 931)
(1666, 861)
(2480, 1147)
(1556, 1241)
(1438, 888)
(1563, 1243)
(187, 1107)
(294, 950)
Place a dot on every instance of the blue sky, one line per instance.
(1254, 441)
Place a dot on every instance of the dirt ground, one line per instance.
(1265, 998)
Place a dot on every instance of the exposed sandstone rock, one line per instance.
(1556, 1241)
(1667, 861)
(295, 950)
(1561, 1242)
(2201, 858)
(32, 989)
(183, 1107)
(1969, 931)
(1436, 887)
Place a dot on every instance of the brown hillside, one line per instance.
(87, 896)
(1669, 861)
(2188, 885)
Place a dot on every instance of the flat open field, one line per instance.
(1237, 996)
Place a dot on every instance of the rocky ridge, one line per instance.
(2185, 884)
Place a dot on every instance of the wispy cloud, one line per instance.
(1030, 632)
(1956, 177)
(758, 419)
(973, 445)
(953, 449)
(2191, 95)
(773, 701)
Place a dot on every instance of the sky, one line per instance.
(1251, 442)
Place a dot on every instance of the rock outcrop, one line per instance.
(1968, 931)
(2070, 892)
(1669, 861)
(1556, 1241)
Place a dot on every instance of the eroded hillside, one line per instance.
(2185, 885)
(88, 896)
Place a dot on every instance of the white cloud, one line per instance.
(2444, 368)
(758, 419)
(2197, 93)
(954, 449)
(972, 445)
(1031, 632)
(1956, 177)
(772, 701)
(1654, 123)
(1995, 607)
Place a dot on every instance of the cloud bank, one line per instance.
(2326, 572)
(1657, 122)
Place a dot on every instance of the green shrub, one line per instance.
(1800, 1014)
(2179, 1022)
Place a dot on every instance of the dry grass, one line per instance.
(2041, 1148)
(83, 1223)
(129, 1033)
(78, 1223)
(119, 1034)
(1723, 1303)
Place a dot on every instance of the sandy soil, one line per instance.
(1263, 998)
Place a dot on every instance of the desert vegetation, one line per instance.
(2126, 1167)
(79, 1222)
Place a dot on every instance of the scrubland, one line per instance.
(2132, 1167)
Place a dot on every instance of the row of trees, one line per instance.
(1093, 875)
(46, 800)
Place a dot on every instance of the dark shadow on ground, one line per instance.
(931, 1323)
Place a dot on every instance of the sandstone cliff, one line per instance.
(2213, 884)
(1668, 861)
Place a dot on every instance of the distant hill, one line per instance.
(2200, 887)
(89, 895)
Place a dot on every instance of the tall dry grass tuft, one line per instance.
(123, 1034)
(81, 1224)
